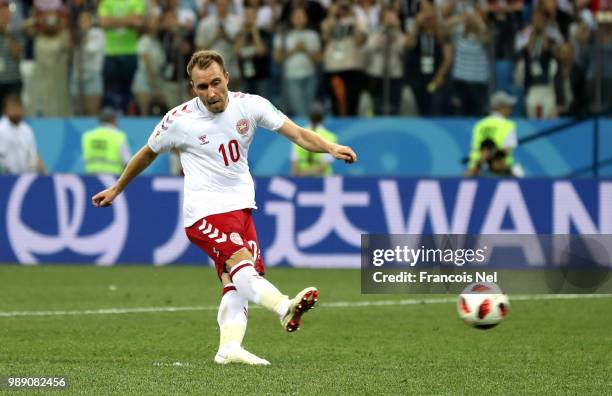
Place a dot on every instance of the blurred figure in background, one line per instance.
(482, 166)
(147, 85)
(570, 85)
(582, 34)
(264, 14)
(316, 11)
(18, 152)
(253, 55)
(299, 51)
(603, 69)
(105, 148)
(385, 49)
(428, 61)
(449, 8)
(177, 27)
(219, 32)
(52, 45)
(307, 163)
(497, 128)
(343, 34)
(506, 18)
(121, 20)
(87, 62)
(537, 66)
(10, 52)
(499, 165)
(369, 13)
(471, 63)
(492, 162)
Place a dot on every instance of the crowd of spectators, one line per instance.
(360, 57)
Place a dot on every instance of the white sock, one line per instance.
(232, 318)
(257, 289)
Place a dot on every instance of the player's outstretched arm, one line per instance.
(137, 164)
(311, 141)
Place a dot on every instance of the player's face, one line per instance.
(210, 85)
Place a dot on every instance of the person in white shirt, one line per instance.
(212, 134)
(18, 152)
(300, 51)
(87, 64)
(219, 32)
(147, 83)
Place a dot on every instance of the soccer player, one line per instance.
(212, 134)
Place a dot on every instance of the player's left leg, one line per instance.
(259, 290)
(246, 269)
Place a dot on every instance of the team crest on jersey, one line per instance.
(203, 139)
(235, 237)
(242, 126)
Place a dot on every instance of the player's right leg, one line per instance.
(259, 290)
(223, 237)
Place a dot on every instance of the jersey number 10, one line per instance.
(234, 152)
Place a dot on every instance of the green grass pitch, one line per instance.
(543, 347)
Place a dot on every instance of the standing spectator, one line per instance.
(177, 25)
(316, 11)
(369, 13)
(264, 14)
(300, 51)
(307, 163)
(18, 152)
(120, 20)
(253, 55)
(209, 7)
(537, 65)
(559, 13)
(344, 36)
(75, 8)
(428, 61)
(471, 64)
(506, 20)
(449, 8)
(582, 38)
(105, 148)
(570, 85)
(219, 32)
(190, 5)
(50, 94)
(497, 128)
(600, 72)
(10, 52)
(87, 63)
(385, 49)
(147, 85)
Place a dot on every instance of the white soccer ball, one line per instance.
(483, 305)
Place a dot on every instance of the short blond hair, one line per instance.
(203, 59)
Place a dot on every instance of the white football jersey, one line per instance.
(213, 149)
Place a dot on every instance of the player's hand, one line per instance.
(343, 153)
(104, 198)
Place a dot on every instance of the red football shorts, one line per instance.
(223, 234)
